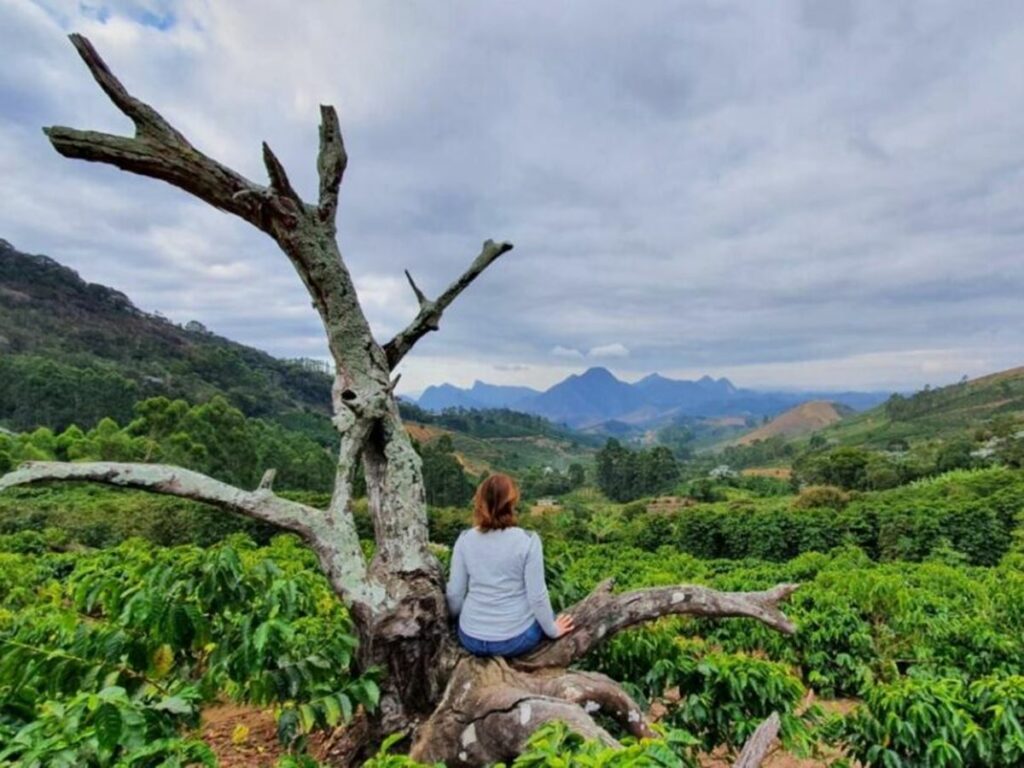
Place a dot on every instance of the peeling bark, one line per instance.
(602, 613)
(757, 746)
(489, 711)
(463, 710)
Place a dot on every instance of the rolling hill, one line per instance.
(802, 420)
(935, 413)
(74, 351)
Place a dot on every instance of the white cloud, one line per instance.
(569, 352)
(609, 350)
(848, 189)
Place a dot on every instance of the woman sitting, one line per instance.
(496, 587)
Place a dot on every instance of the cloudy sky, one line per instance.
(827, 193)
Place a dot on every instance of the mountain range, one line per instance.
(77, 351)
(597, 400)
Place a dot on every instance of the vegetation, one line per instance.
(107, 656)
(901, 610)
(214, 438)
(73, 352)
(991, 403)
(624, 475)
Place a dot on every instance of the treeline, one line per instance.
(446, 481)
(37, 391)
(217, 439)
(214, 438)
(487, 422)
(624, 475)
(860, 469)
(972, 514)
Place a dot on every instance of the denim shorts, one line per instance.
(515, 646)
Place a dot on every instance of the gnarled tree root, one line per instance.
(492, 706)
(490, 709)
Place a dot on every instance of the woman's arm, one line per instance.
(458, 580)
(537, 588)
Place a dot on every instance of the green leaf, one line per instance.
(175, 705)
(108, 726)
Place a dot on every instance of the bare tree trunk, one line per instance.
(463, 710)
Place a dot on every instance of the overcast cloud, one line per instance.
(815, 194)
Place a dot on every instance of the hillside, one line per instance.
(490, 439)
(73, 351)
(936, 413)
(802, 420)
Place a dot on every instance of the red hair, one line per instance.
(494, 506)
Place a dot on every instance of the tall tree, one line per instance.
(462, 710)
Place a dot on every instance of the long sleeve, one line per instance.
(458, 580)
(537, 588)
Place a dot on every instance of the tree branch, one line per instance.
(601, 614)
(330, 163)
(420, 296)
(171, 481)
(760, 741)
(157, 150)
(595, 693)
(490, 710)
(278, 177)
(429, 317)
(262, 504)
(147, 120)
(305, 233)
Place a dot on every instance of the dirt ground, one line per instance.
(780, 473)
(780, 758)
(246, 737)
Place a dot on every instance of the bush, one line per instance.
(822, 496)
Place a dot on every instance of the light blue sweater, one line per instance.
(496, 586)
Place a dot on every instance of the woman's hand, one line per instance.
(564, 624)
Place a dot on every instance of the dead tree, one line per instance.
(457, 709)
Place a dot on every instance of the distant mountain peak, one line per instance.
(651, 378)
(597, 372)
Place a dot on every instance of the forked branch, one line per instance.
(429, 317)
(490, 710)
(157, 150)
(602, 613)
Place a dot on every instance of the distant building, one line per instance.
(722, 472)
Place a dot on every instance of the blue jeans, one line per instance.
(514, 646)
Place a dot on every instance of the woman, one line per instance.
(496, 587)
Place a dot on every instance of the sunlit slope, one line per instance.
(802, 420)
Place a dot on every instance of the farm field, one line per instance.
(135, 653)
